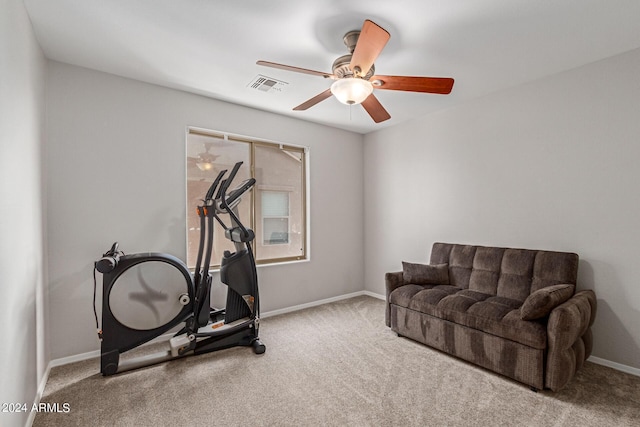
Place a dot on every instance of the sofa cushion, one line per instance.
(505, 272)
(422, 274)
(486, 270)
(492, 314)
(540, 303)
(515, 274)
(554, 268)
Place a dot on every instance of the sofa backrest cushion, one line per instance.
(505, 272)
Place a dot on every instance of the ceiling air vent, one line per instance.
(267, 84)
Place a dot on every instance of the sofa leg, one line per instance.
(533, 389)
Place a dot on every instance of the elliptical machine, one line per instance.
(145, 295)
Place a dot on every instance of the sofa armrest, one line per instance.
(569, 338)
(392, 281)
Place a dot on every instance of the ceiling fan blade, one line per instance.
(375, 109)
(441, 85)
(296, 69)
(313, 101)
(371, 41)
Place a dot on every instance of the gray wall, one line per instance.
(116, 171)
(23, 353)
(550, 165)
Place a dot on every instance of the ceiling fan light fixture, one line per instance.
(204, 166)
(351, 90)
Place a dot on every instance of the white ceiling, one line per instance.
(210, 47)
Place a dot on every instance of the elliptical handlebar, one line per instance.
(224, 202)
(242, 188)
(214, 185)
(227, 182)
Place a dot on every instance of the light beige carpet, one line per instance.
(332, 365)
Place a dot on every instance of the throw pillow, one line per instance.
(540, 303)
(422, 274)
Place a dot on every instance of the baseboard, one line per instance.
(39, 394)
(75, 358)
(311, 304)
(374, 295)
(617, 366)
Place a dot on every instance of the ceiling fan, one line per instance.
(355, 77)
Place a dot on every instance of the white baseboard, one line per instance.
(617, 366)
(374, 295)
(75, 358)
(39, 394)
(311, 304)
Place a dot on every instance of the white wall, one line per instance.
(116, 171)
(548, 165)
(23, 352)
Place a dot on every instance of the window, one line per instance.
(275, 208)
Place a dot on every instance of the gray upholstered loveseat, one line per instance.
(513, 311)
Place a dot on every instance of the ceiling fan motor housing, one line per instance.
(342, 70)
